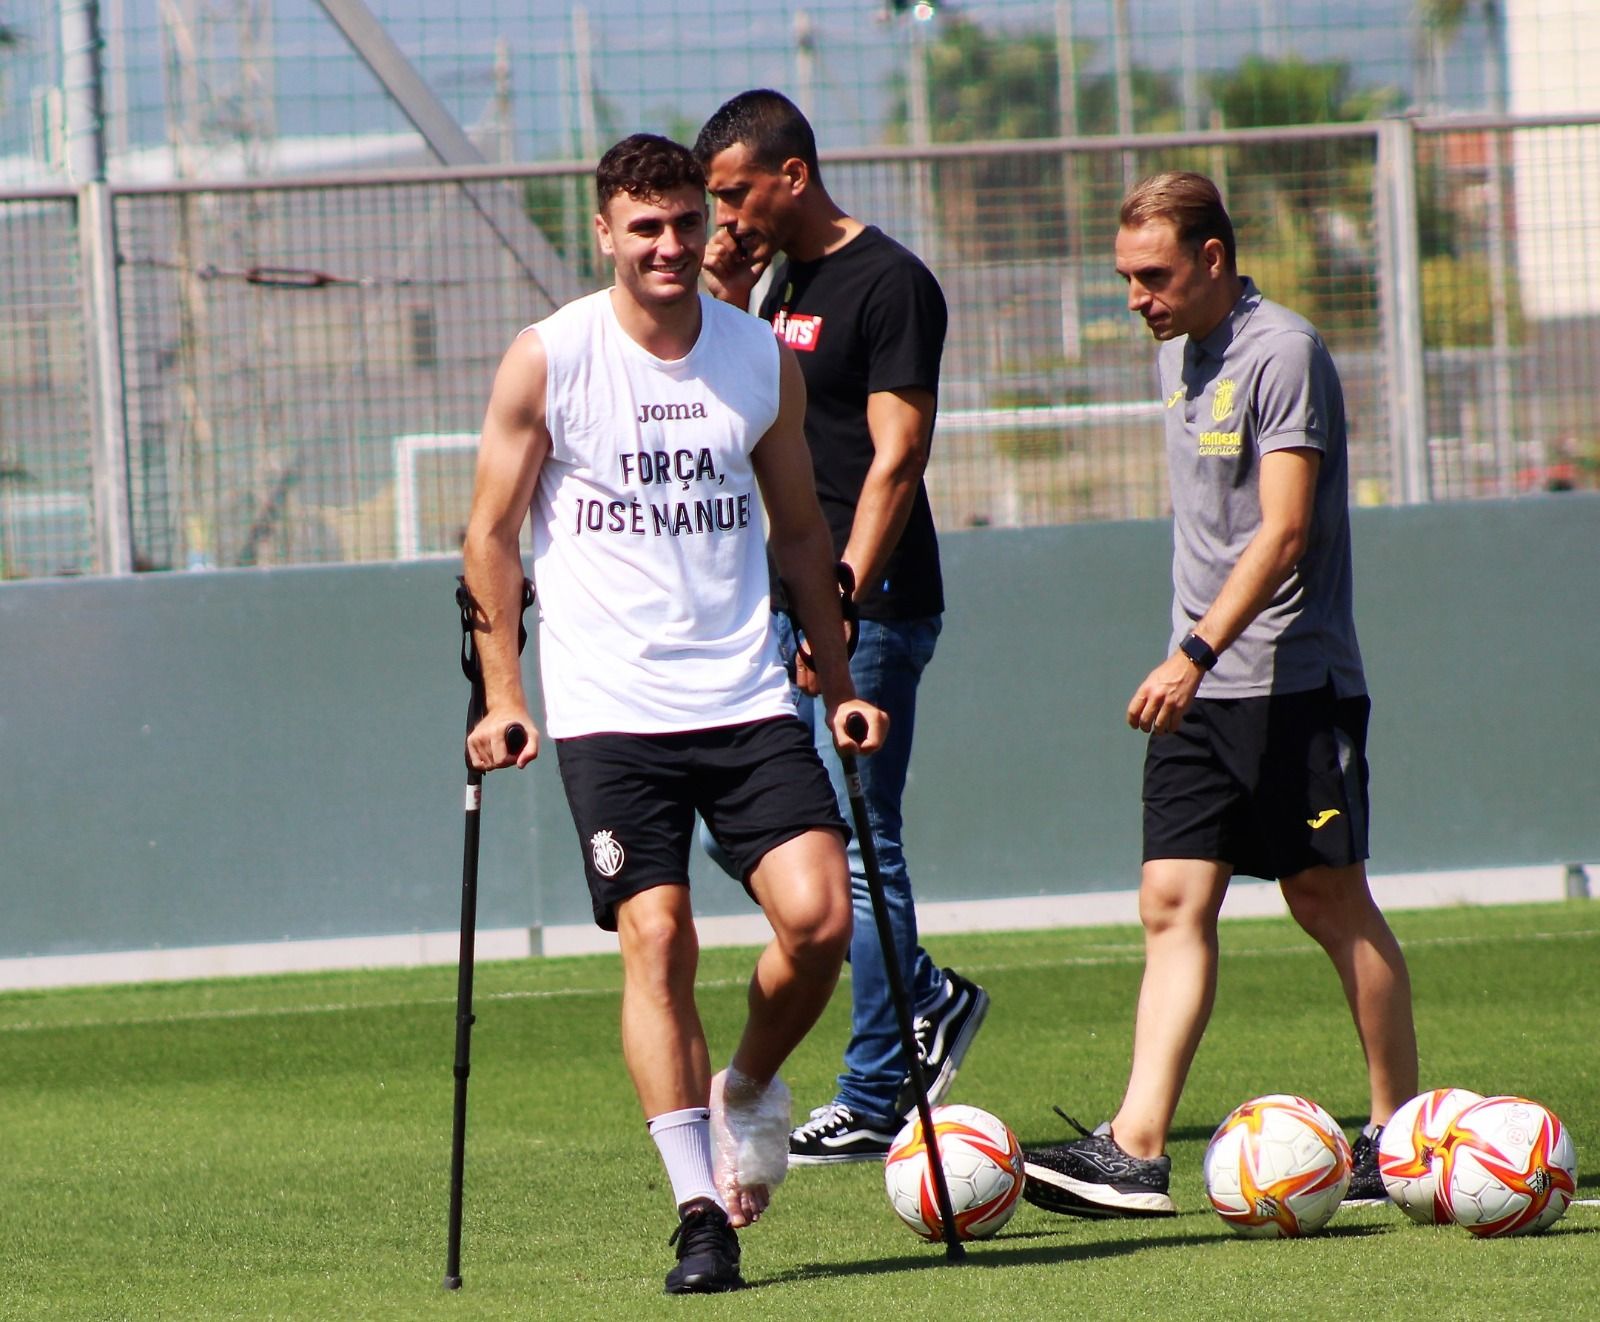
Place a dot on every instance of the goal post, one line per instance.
(433, 473)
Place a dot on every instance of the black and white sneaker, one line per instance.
(836, 1133)
(1092, 1176)
(1366, 1184)
(708, 1252)
(943, 1036)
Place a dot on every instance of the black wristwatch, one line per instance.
(1198, 650)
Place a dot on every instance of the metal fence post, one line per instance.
(83, 84)
(1400, 308)
(97, 242)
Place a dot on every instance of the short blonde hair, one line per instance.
(1189, 202)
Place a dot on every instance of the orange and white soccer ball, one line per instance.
(982, 1163)
(1278, 1166)
(1410, 1151)
(1509, 1167)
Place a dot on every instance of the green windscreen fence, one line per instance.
(221, 758)
(307, 295)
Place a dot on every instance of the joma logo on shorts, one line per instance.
(671, 412)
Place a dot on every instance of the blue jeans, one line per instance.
(886, 668)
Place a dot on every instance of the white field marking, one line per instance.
(1133, 955)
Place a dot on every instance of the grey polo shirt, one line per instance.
(1263, 380)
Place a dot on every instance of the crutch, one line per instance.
(855, 726)
(516, 740)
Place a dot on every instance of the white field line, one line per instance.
(1126, 955)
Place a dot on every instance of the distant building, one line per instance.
(1552, 49)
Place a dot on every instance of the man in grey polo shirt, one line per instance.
(1257, 760)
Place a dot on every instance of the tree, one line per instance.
(1457, 307)
(1262, 92)
(985, 87)
(1441, 22)
(1308, 201)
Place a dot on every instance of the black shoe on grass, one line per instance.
(943, 1036)
(1365, 1181)
(1092, 1176)
(835, 1133)
(708, 1252)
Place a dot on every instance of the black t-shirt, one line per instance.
(869, 317)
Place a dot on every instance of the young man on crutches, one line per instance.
(648, 426)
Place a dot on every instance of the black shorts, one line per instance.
(634, 798)
(1272, 785)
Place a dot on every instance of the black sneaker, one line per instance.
(708, 1252)
(1092, 1176)
(1365, 1181)
(943, 1037)
(836, 1133)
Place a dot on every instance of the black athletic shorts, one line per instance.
(634, 798)
(1272, 785)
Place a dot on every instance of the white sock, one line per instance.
(684, 1140)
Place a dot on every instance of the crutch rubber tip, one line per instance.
(452, 1282)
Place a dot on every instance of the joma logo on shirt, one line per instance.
(671, 412)
(798, 330)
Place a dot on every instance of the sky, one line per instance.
(651, 65)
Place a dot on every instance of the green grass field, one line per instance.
(278, 1147)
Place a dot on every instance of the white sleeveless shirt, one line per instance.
(649, 550)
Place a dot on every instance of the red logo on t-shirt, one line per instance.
(798, 330)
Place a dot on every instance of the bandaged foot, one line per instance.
(749, 1142)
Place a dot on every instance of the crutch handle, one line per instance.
(855, 725)
(516, 738)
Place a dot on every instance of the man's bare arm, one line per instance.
(511, 451)
(1287, 488)
(901, 426)
(803, 548)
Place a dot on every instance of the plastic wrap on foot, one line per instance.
(750, 1143)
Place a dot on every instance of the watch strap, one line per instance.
(1198, 650)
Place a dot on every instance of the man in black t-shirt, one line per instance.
(867, 321)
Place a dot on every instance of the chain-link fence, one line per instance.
(47, 517)
(280, 341)
(298, 367)
(304, 365)
(194, 84)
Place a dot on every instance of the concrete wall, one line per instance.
(217, 758)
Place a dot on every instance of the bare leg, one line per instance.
(662, 1040)
(1336, 909)
(804, 889)
(1178, 904)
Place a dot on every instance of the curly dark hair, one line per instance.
(646, 165)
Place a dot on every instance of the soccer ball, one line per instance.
(1278, 1166)
(982, 1163)
(1509, 1167)
(1409, 1158)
